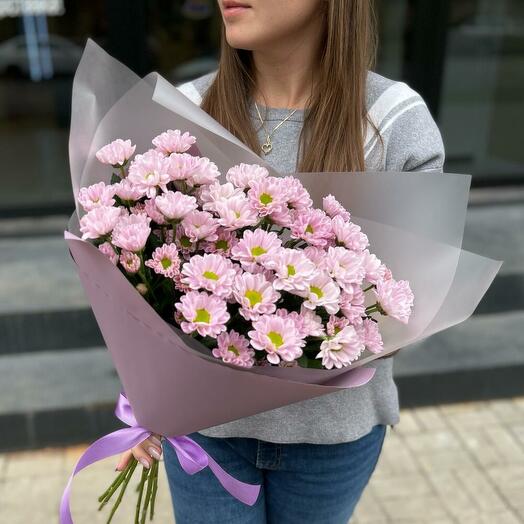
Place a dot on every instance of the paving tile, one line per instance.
(430, 418)
(507, 410)
(452, 494)
(480, 488)
(408, 424)
(505, 443)
(368, 510)
(403, 485)
(469, 415)
(33, 464)
(418, 509)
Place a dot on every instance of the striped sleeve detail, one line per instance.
(391, 104)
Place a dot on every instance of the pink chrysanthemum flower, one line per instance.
(109, 251)
(283, 218)
(129, 261)
(297, 195)
(334, 208)
(242, 175)
(255, 247)
(183, 242)
(293, 269)
(173, 141)
(210, 195)
(352, 303)
(203, 313)
(165, 261)
(255, 295)
(267, 196)
(131, 232)
(321, 291)
(223, 244)
(278, 337)
(395, 298)
(349, 235)
(200, 225)
(117, 153)
(342, 349)
(211, 272)
(175, 205)
(235, 213)
(313, 226)
(308, 323)
(374, 269)
(336, 324)
(316, 255)
(370, 333)
(203, 173)
(127, 191)
(234, 348)
(181, 165)
(345, 266)
(100, 221)
(138, 209)
(149, 172)
(153, 212)
(96, 195)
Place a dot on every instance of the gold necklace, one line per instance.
(267, 146)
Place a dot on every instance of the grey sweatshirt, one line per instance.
(412, 142)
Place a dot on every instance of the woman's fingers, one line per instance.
(144, 452)
(124, 459)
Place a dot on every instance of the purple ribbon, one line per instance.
(193, 458)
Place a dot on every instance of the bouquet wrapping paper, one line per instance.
(414, 222)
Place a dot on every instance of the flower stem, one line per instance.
(122, 491)
(140, 490)
(368, 288)
(150, 481)
(104, 498)
(153, 495)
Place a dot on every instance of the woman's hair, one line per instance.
(331, 139)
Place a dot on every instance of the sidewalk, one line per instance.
(461, 463)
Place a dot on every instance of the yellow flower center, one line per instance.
(221, 244)
(253, 296)
(309, 229)
(234, 350)
(276, 338)
(318, 292)
(291, 270)
(266, 199)
(166, 262)
(210, 275)
(203, 316)
(257, 251)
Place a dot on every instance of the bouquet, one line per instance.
(207, 270)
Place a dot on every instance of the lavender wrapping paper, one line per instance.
(414, 221)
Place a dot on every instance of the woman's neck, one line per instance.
(284, 73)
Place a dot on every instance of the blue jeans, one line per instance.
(313, 483)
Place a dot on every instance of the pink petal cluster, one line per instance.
(131, 232)
(117, 153)
(233, 348)
(165, 261)
(278, 337)
(173, 141)
(96, 195)
(203, 313)
(100, 221)
(395, 298)
(252, 263)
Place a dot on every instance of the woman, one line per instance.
(294, 83)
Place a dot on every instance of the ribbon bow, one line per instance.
(193, 458)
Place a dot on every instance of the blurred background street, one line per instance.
(458, 454)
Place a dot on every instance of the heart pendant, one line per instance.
(267, 147)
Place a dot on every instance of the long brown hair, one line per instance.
(331, 139)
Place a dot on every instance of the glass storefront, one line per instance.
(466, 58)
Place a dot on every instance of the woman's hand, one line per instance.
(145, 452)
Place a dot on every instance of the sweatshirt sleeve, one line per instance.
(415, 142)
